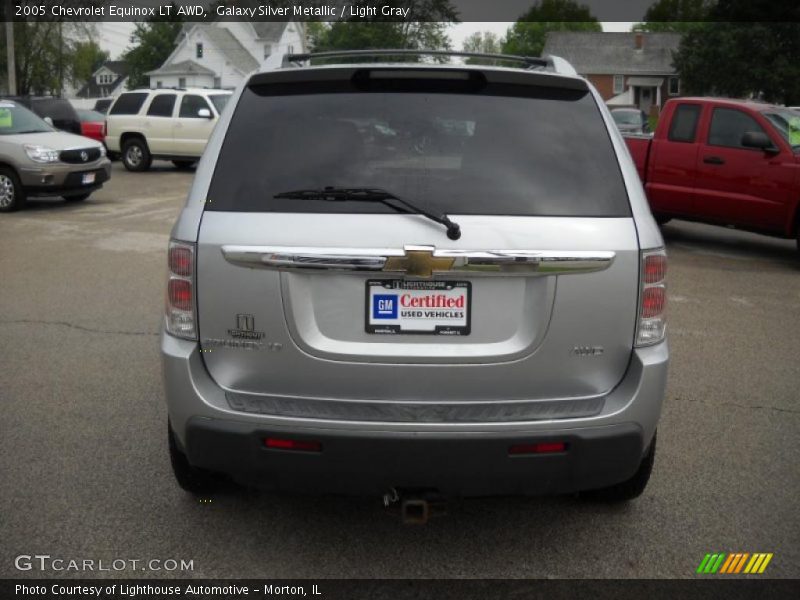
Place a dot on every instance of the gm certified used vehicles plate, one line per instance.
(399, 276)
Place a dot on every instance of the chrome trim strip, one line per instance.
(420, 412)
(473, 262)
(290, 257)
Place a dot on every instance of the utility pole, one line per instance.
(10, 62)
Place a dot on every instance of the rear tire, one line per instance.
(191, 479)
(12, 196)
(629, 489)
(183, 164)
(662, 219)
(135, 155)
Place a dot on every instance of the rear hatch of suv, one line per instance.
(316, 285)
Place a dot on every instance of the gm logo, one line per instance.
(384, 306)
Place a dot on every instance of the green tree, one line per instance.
(528, 35)
(45, 53)
(484, 42)
(677, 16)
(154, 40)
(741, 59)
(86, 58)
(428, 30)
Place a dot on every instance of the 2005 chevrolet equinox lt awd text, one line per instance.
(396, 277)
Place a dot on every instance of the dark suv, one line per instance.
(59, 110)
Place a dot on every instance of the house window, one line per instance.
(217, 82)
(290, 49)
(619, 84)
(266, 50)
(674, 86)
(181, 82)
(199, 50)
(159, 84)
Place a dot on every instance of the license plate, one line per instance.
(418, 307)
(88, 178)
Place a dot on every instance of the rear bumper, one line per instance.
(460, 459)
(371, 463)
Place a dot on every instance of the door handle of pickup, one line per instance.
(714, 160)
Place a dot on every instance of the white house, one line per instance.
(222, 53)
(108, 81)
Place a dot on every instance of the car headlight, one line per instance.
(41, 154)
(102, 151)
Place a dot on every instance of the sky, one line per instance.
(115, 37)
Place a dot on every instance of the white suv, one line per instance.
(165, 123)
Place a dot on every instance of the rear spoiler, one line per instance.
(344, 73)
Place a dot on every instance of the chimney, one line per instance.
(638, 41)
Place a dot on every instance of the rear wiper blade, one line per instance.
(362, 194)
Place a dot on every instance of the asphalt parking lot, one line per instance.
(85, 472)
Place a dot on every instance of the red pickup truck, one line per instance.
(727, 162)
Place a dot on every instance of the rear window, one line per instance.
(162, 105)
(219, 101)
(128, 104)
(684, 123)
(55, 108)
(500, 150)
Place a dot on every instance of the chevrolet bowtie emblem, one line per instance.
(418, 263)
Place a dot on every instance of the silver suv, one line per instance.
(409, 278)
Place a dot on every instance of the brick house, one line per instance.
(628, 69)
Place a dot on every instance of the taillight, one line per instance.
(652, 325)
(180, 317)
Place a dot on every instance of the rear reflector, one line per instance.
(301, 445)
(540, 448)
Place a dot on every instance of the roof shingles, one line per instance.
(614, 53)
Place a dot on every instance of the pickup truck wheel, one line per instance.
(183, 164)
(12, 196)
(191, 479)
(630, 489)
(135, 155)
